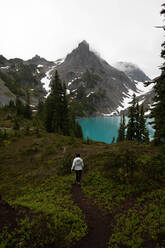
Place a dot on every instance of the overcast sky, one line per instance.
(119, 30)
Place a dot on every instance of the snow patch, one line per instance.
(147, 113)
(142, 89)
(92, 92)
(59, 61)
(74, 90)
(70, 82)
(67, 92)
(5, 67)
(39, 66)
(46, 80)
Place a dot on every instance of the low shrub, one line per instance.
(65, 167)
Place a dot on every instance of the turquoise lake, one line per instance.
(103, 128)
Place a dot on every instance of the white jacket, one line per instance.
(77, 164)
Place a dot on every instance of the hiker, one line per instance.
(77, 166)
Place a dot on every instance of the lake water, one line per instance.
(103, 128)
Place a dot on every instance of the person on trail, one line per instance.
(77, 166)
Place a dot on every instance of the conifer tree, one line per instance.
(27, 108)
(64, 112)
(136, 128)
(113, 140)
(19, 107)
(48, 114)
(137, 122)
(121, 131)
(56, 108)
(158, 111)
(131, 127)
(143, 131)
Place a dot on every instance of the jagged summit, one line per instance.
(98, 83)
(37, 60)
(83, 45)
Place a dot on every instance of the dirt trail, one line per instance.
(98, 224)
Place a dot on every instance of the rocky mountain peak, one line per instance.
(3, 61)
(83, 45)
(37, 60)
(82, 57)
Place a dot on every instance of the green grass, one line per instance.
(126, 180)
(143, 225)
(29, 178)
(136, 200)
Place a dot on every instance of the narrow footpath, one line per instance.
(98, 224)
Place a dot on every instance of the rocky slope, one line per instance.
(145, 94)
(5, 94)
(20, 76)
(93, 82)
(93, 86)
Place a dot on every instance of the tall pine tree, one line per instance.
(136, 128)
(56, 108)
(131, 127)
(121, 131)
(143, 131)
(27, 108)
(158, 111)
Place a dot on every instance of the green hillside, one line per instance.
(125, 180)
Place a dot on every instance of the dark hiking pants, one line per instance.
(78, 175)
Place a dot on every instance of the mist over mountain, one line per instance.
(132, 71)
(92, 81)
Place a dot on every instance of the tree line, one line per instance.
(136, 129)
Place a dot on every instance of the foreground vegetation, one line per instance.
(35, 181)
(125, 180)
(128, 182)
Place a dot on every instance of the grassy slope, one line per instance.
(136, 201)
(34, 173)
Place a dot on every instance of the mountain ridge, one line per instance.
(92, 83)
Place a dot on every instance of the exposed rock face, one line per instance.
(94, 86)
(81, 67)
(5, 94)
(17, 76)
(3, 61)
(37, 60)
(132, 71)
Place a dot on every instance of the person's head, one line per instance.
(77, 155)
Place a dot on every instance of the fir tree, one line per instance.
(64, 112)
(56, 108)
(121, 131)
(27, 108)
(113, 140)
(16, 124)
(48, 115)
(19, 107)
(136, 128)
(143, 131)
(137, 122)
(132, 127)
(78, 130)
(158, 111)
